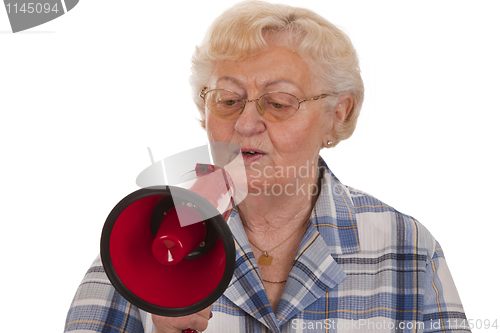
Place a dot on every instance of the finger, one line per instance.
(206, 313)
(197, 321)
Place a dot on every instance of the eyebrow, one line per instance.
(272, 83)
(228, 78)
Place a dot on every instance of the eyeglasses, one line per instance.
(273, 106)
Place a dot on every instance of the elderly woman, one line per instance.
(311, 254)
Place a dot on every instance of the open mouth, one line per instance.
(251, 154)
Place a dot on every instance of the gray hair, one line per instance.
(240, 33)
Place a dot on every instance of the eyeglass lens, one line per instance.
(275, 106)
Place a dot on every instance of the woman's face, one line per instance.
(275, 153)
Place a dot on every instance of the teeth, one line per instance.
(251, 152)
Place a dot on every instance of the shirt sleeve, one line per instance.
(98, 307)
(443, 311)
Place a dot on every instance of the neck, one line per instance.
(268, 219)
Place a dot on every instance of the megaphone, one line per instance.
(168, 249)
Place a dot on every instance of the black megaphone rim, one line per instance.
(205, 207)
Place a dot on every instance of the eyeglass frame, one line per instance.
(204, 92)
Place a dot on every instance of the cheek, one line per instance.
(218, 130)
(302, 137)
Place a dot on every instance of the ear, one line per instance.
(341, 112)
(343, 108)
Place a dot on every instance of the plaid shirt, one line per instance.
(361, 266)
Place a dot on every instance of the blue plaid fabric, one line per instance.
(361, 266)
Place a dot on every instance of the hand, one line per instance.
(197, 321)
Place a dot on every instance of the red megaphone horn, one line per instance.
(168, 250)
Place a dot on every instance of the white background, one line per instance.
(82, 97)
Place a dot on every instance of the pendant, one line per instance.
(265, 259)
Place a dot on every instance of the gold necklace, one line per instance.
(265, 259)
(274, 281)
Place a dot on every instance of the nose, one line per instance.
(250, 121)
(259, 107)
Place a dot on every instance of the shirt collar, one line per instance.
(332, 231)
(334, 215)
